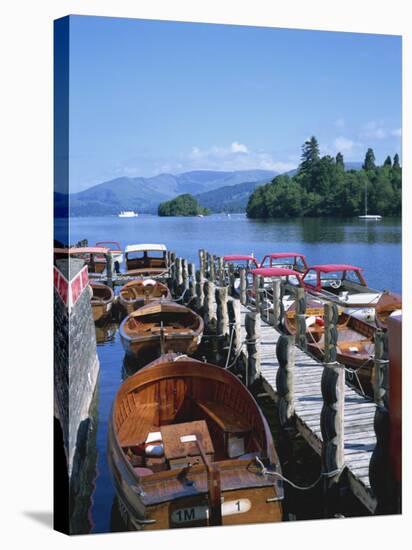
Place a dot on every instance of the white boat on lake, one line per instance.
(128, 214)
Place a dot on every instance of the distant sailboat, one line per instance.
(367, 216)
(128, 214)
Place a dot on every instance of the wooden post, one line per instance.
(285, 353)
(212, 268)
(381, 472)
(252, 325)
(178, 277)
(231, 276)
(233, 310)
(276, 301)
(185, 280)
(200, 296)
(332, 414)
(172, 271)
(210, 317)
(192, 283)
(257, 289)
(243, 295)
(221, 271)
(221, 295)
(109, 269)
(202, 260)
(300, 320)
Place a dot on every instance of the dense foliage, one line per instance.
(183, 205)
(322, 187)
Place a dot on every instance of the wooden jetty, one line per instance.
(359, 434)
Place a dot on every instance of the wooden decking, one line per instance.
(359, 435)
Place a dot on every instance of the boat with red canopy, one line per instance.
(345, 285)
(290, 260)
(288, 277)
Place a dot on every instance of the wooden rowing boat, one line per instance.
(355, 344)
(146, 260)
(138, 292)
(186, 446)
(389, 303)
(159, 327)
(101, 300)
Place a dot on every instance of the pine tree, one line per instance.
(369, 163)
(339, 160)
(396, 161)
(310, 155)
(388, 161)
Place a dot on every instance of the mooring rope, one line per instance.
(264, 471)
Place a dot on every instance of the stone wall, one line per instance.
(76, 365)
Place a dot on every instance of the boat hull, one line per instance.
(145, 350)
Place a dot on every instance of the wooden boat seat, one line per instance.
(135, 428)
(224, 417)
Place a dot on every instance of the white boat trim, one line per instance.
(142, 247)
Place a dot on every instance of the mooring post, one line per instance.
(257, 291)
(231, 277)
(233, 311)
(185, 279)
(178, 277)
(221, 271)
(221, 295)
(276, 301)
(285, 353)
(210, 316)
(253, 330)
(380, 468)
(172, 271)
(200, 296)
(202, 259)
(300, 320)
(332, 413)
(212, 269)
(109, 269)
(192, 282)
(242, 288)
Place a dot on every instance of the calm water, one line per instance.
(376, 246)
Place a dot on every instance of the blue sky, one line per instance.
(148, 97)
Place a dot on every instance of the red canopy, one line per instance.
(275, 272)
(285, 255)
(236, 257)
(329, 268)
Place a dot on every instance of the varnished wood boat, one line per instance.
(355, 344)
(159, 327)
(146, 260)
(183, 439)
(389, 303)
(139, 292)
(101, 300)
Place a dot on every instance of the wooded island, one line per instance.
(322, 187)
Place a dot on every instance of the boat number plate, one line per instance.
(198, 513)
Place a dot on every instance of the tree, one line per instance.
(369, 163)
(396, 161)
(339, 160)
(388, 161)
(183, 205)
(310, 155)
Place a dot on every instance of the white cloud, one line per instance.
(397, 132)
(237, 156)
(345, 145)
(237, 147)
(374, 130)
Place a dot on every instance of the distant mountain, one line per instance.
(145, 194)
(232, 198)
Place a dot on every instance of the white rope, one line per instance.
(265, 471)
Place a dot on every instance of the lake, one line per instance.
(373, 245)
